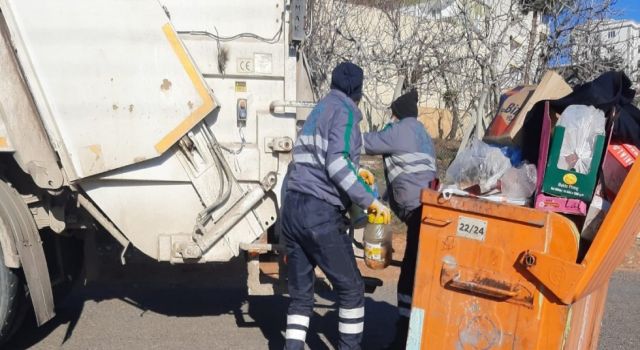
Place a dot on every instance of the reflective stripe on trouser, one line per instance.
(408, 269)
(351, 321)
(315, 236)
(404, 305)
(297, 326)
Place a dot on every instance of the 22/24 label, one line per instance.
(471, 228)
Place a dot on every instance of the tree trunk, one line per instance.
(530, 48)
(455, 124)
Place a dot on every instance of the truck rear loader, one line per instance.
(167, 124)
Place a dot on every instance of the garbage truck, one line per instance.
(167, 124)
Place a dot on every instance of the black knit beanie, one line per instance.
(347, 77)
(406, 105)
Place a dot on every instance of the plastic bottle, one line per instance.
(377, 243)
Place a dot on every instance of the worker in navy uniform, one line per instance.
(323, 182)
(409, 166)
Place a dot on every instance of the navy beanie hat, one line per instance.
(347, 77)
(406, 105)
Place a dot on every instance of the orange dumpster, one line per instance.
(497, 276)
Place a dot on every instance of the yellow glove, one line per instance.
(367, 176)
(380, 210)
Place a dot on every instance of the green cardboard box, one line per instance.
(567, 183)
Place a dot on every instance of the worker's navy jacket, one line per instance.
(409, 161)
(326, 155)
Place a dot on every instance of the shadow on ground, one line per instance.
(196, 291)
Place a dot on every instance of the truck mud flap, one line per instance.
(18, 220)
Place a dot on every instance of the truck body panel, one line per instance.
(115, 80)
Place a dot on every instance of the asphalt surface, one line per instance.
(145, 305)
(622, 316)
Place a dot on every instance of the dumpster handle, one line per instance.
(435, 222)
(483, 289)
(451, 276)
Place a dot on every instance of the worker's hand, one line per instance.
(367, 176)
(380, 210)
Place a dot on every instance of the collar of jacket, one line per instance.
(346, 99)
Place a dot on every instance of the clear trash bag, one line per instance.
(520, 182)
(479, 164)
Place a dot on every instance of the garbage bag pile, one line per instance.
(555, 149)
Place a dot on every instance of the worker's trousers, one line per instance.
(316, 235)
(408, 269)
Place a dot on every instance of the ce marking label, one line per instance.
(245, 65)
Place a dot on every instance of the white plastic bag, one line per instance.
(479, 164)
(582, 125)
(519, 183)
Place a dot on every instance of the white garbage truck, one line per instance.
(168, 124)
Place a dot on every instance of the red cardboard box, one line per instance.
(617, 163)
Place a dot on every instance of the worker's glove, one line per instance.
(367, 176)
(380, 210)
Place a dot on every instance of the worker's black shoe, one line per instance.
(400, 340)
(398, 343)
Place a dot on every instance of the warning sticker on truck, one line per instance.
(471, 228)
(263, 63)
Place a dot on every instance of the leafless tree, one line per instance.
(459, 54)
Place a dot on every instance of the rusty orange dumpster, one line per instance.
(497, 276)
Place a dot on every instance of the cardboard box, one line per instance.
(617, 163)
(518, 102)
(561, 205)
(567, 183)
(550, 203)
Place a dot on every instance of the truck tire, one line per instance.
(13, 292)
(11, 301)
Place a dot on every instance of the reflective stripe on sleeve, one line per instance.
(313, 140)
(349, 180)
(395, 170)
(336, 166)
(305, 158)
(413, 157)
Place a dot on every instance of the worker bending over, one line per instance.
(323, 182)
(409, 166)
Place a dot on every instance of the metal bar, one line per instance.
(232, 217)
(242, 76)
(292, 104)
(266, 247)
(100, 218)
(237, 212)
